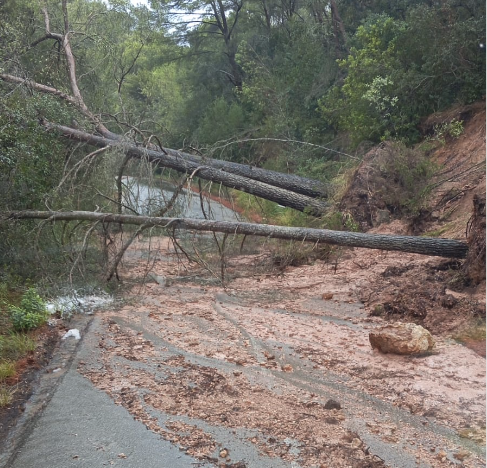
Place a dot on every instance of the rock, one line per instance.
(356, 443)
(223, 453)
(287, 368)
(333, 404)
(327, 296)
(401, 338)
(441, 455)
(461, 455)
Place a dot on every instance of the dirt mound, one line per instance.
(365, 198)
(393, 181)
(459, 113)
(424, 294)
(447, 297)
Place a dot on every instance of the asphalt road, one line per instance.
(80, 426)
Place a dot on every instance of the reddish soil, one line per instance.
(270, 350)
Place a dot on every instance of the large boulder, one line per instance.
(401, 338)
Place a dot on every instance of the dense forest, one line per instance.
(302, 87)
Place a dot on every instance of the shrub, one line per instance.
(31, 314)
(454, 129)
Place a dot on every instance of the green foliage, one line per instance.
(221, 121)
(453, 129)
(31, 314)
(338, 221)
(399, 70)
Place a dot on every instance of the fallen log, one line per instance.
(294, 183)
(302, 185)
(312, 206)
(421, 245)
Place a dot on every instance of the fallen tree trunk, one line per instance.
(302, 185)
(291, 182)
(421, 245)
(279, 195)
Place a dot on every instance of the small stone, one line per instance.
(223, 453)
(401, 338)
(332, 404)
(461, 455)
(356, 443)
(448, 301)
(327, 296)
(122, 455)
(269, 356)
(441, 455)
(287, 368)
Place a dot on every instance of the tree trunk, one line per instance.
(302, 185)
(176, 161)
(294, 183)
(421, 245)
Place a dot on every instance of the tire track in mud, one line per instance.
(358, 406)
(237, 380)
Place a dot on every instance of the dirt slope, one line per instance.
(447, 297)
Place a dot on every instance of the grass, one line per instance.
(437, 232)
(15, 346)
(476, 332)
(7, 369)
(6, 395)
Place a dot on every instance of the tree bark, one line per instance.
(176, 161)
(294, 183)
(421, 245)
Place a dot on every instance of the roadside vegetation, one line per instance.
(20, 315)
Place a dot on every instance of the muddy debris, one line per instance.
(259, 363)
(332, 404)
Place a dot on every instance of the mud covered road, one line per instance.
(277, 371)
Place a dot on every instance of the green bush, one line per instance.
(31, 314)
